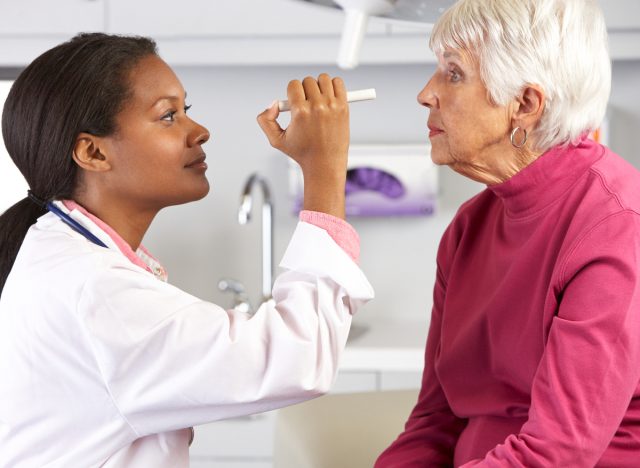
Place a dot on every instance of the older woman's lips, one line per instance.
(434, 131)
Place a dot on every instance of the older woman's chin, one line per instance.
(440, 157)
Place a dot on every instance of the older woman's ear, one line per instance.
(529, 108)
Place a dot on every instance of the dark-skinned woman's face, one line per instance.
(156, 154)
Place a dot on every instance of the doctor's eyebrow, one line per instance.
(169, 98)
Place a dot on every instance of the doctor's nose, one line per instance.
(199, 135)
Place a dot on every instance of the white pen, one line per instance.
(352, 96)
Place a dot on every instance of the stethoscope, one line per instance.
(73, 224)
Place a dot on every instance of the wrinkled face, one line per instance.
(467, 132)
(156, 155)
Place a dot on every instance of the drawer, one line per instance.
(248, 437)
(197, 462)
(400, 380)
(351, 381)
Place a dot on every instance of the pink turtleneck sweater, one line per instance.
(533, 354)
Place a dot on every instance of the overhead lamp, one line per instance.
(357, 13)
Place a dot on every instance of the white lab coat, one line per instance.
(102, 364)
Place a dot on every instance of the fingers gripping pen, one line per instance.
(352, 96)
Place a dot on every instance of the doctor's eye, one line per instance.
(168, 116)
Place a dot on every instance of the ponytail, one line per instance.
(78, 86)
(14, 224)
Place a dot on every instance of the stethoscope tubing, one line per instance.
(73, 224)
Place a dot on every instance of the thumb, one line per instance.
(269, 124)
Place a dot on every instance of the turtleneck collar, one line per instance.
(545, 180)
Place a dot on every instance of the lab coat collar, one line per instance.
(141, 257)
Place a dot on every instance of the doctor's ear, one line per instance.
(87, 155)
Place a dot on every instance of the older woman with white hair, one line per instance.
(533, 353)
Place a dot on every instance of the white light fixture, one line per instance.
(357, 13)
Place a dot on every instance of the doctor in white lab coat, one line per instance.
(104, 363)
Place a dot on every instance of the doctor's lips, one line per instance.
(433, 130)
(198, 163)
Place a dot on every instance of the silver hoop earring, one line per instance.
(524, 138)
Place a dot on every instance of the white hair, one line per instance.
(560, 45)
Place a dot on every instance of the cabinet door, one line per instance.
(247, 438)
(621, 14)
(209, 18)
(46, 17)
(227, 463)
(400, 380)
(351, 382)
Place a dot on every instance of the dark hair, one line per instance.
(78, 86)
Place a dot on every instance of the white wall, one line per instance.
(625, 111)
(13, 187)
(201, 242)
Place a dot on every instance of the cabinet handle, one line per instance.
(249, 417)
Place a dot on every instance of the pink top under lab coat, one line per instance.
(533, 354)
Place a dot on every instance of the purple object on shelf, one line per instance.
(385, 185)
(377, 180)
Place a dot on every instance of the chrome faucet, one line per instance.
(241, 300)
(244, 216)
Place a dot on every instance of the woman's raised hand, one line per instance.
(317, 138)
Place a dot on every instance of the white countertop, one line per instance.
(386, 345)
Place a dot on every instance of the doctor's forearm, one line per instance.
(325, 194)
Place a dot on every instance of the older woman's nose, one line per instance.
(427, 96)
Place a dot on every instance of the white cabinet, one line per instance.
(46, 17)
(399, 381)
(621, 14)
(30, 27)
(192, 32)
(210, 463)
(350, 382)
(237, 18)
(242, 32)
(238, 32)
(623, 23)
(250, 439)
(247, 438)
(248, 442)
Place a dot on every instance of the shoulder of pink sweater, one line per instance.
(340, 231)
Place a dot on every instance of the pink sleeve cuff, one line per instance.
(340, 231)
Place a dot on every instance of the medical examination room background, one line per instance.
(202, 242)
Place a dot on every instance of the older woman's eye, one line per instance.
(454, 76)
